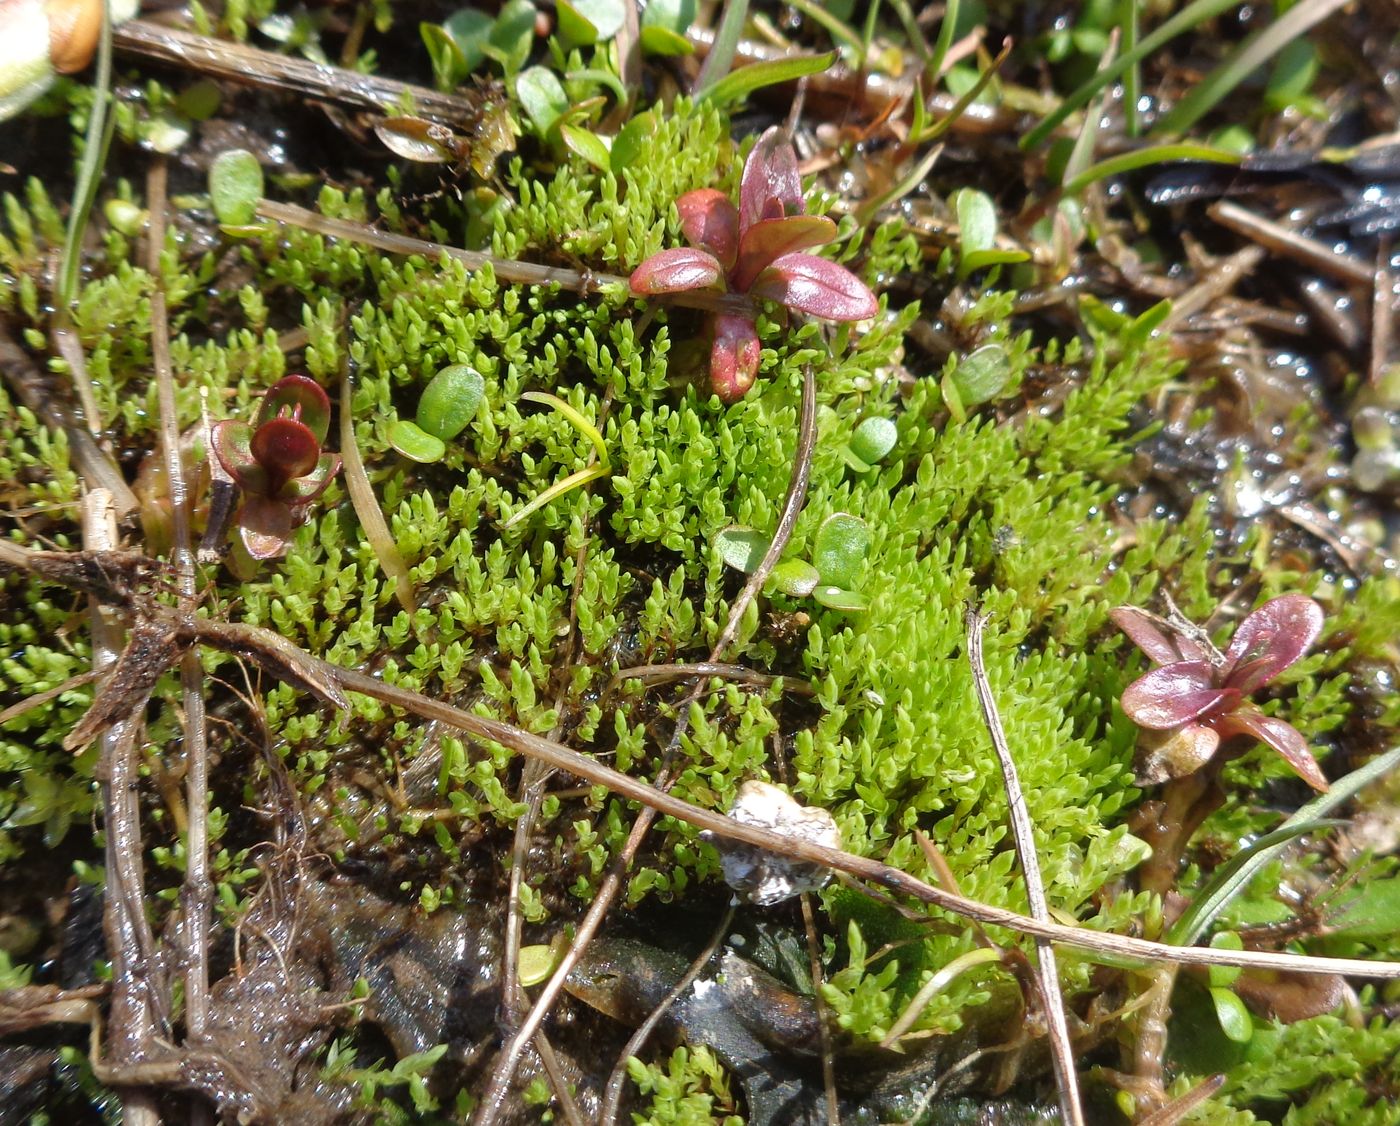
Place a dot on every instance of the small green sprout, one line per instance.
(977, 378)
(447, 404)
(870, 443)
(235, 187)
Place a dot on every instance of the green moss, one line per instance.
(1008, 508)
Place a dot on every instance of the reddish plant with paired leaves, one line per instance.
(1197, 697)
(277, 462)
(755, 249)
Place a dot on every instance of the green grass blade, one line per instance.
(1230, 880)
(726, 43)
(1253, 53)
(739, 84)
(1184, 20)
(1132, 77)
(99, 140)
(1144, 158)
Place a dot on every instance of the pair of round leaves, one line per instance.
(838, 560)
(447, 404)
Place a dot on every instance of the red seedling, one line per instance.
(755, 249)
(1198, 697)
(277, 462)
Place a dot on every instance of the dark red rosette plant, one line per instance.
(1196, 698)
(755, 250)
(278, 463)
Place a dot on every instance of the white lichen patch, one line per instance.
(761, 877)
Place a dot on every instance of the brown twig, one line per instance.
(238, 62)
(1023, 834)
(506, 269)
(135, 998)
(196, 890)
(612, 1097)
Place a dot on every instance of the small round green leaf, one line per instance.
(795, 577)
(840, 549)
(542, 95)
(1221, 977)
(631, 142)
(235, 187)
(535, 965)
(1234, 1018)
(873, 439)
(837, 598)
(981, 375)
(675, 16)
(450, 401)
(585, 22)
(469, 29)
(415, 443)
(741, 548)
(977, 220)
(586, 144)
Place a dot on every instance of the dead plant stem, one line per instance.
(1023, 834)
(197, 890)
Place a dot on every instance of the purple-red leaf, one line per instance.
(1282, 737)
(734, 357)
(1270, 639)
(286, 450)
(711, 223)
(771, 186)
(809, 284)
(301, 491)
(1175, 694)
(1141, 628)
(769, 239)
(674, 270)
(264, 525)
(232, 440)
(297, 396)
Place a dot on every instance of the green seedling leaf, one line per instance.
(794, 577)
(470, 31)
(741, 548)
(235, 187)
(981, 375)
(1222, 977)
(450, 65)
(836, 598)
(1234, 1018)
(977, 221)
(1373, 913)
(1145, 158)
(586, 144)
(664, 41)
(873, 439)
(542, 95)
(535, 965)
(1292, 76)
(511, 36)
(839, 552)
(985, 259)
(631, 142)
(675, 16)
(201, 101)
(739, 84)
(585, 22)
(450, 401)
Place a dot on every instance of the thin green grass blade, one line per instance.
(739, 84)
(1184, 20)
(1230, 880)
(1253, 53)
(1132, 77)
(1146, 157)
(98, 141)
(722, 50)
(1082, 154)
